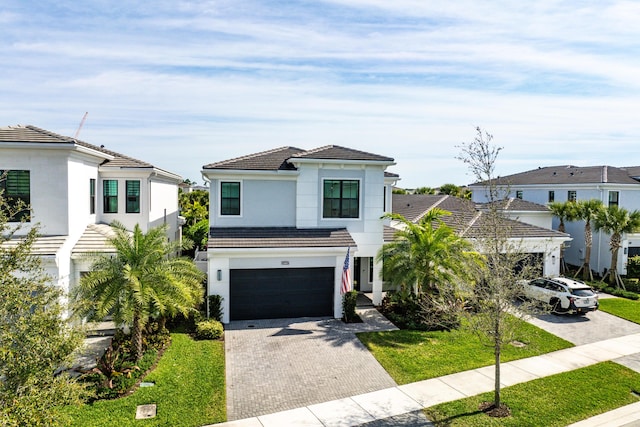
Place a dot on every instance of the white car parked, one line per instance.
(562, 294)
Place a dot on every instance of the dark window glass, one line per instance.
(519, 194)
(133, 196)
(92, 196)
(613, 198)
(341, 199)
(229, 198)
(571, 196)
(15, 186)
(110, 195)
(552, 196)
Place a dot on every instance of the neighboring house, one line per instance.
(523, 223)
(282, 222)
(611, 185)
(75, 190)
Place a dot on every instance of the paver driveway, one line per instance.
(275, 365)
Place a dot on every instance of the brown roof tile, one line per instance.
(336, 152)
(275, 159)
(278, 237)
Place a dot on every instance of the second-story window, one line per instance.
(571, 196)
(519, 194)
(341, 199)
(92, 196)
(133, 196)
(110, 195)
(15, 186)
(229, 198)
(614, 198)
(552, 196)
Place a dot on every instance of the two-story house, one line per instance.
(611, 185)
(74, 190)
(282, 223)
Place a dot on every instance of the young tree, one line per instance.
(497, 283)
(144, 279)
(587, 210)
(616, 221)
(35, 339)
(450, 189)
(426, 256)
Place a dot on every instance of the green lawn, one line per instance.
(622, 307)
(189, 390)
(557, 400)
(410, 356)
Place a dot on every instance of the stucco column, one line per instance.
(218, 283)
(377, 282)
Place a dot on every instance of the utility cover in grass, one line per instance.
(146, 411)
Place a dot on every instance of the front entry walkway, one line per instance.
(281, 364)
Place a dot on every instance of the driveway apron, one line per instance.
(280, 364)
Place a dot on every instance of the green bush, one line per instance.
(620, 293)
(633, 267)
(421, 312)
(215, 307)
(349, 307)
(209, 330)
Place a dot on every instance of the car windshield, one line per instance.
(582, 292)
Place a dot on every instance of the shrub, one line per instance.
(421, 312)
(633, 267)
(209, 330)
(349, 307)
(215, 307)
(620, 293)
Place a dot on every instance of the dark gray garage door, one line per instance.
(280, 293)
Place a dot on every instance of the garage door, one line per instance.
(280, 293)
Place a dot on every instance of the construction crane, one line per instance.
(80, 126)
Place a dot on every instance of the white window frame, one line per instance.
(219, 198)
(360, 196)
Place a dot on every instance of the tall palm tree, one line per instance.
(425, 256)
(587, 210)
(142, 280)
(565, 211)
(616, 221)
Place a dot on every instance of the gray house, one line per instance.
(611, 185)
(282, 223)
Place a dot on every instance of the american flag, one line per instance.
(346, 280)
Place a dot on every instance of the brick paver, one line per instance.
(275, 365)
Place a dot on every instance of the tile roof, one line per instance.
(279, 237)
(43, 245)
(515, 204)
(28, 133)
(281, 158)
(568, 174)
(275, 159)
(94, 239)
(465, 217)
(336, 152)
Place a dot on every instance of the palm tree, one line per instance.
(616, 221)
(141, 281)
(565, 211)
(587, 210)
(427, 255)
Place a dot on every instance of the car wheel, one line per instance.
(556, 306)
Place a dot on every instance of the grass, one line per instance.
(557, 400)
(410, 356)
(189, 390)
(622, 307)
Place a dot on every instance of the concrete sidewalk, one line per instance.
(395, 401)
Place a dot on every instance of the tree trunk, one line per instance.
(613, 269)
(588, 240)
(497, 347)
(136, 336)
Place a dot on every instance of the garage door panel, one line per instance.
(281, 293)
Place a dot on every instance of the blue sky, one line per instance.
(186, 83)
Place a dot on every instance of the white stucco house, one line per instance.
(611, 185)
(527, 225)
(282, 222)
(75, 190)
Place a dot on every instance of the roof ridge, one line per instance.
(254, 155)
